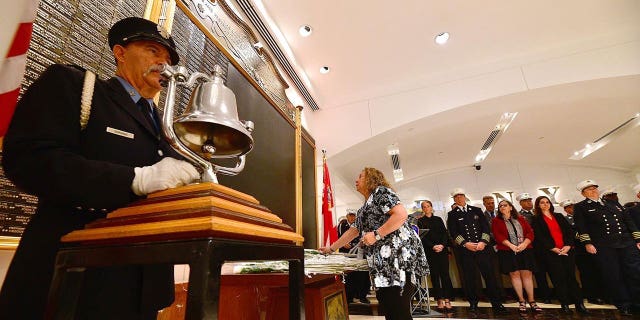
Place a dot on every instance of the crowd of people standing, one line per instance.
(597, 235)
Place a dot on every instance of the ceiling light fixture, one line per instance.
(503, 124)
(394, 152)
(442, 38)
(305, 30)
(324, 70)
(590, 148)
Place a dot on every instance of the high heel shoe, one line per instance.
(447, 305)
(522, 306)
(534, 307)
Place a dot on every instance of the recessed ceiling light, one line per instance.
(619, 130)
(324, 70)
(442, 38)
(305, 30)
(503, 124)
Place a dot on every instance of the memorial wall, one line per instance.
(75, 32)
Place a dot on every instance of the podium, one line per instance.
(202, 225)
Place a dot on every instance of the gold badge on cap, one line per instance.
(163, 32)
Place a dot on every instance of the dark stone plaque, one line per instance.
(16, 207)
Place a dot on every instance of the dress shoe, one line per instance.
(565, 308)
(447, 306)
(581, 308)
(499, 308)
(440, 305)
(625, 311)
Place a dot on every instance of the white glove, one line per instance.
(166, 173)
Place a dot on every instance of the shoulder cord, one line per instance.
(87, 96)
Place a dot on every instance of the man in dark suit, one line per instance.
(489, 212)
(81, 174)
(469, 229)
(343, 227)
(609, 234)
(489, 204)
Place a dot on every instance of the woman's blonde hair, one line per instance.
(374, 178)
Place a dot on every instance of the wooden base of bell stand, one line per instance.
(202, 225)
(265, 296)
(193, 211)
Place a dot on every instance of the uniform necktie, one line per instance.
(147, 111)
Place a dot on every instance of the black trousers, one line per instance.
(621, 267)
(439, 272)
(357, 285)
(590, 276)
(543, 292)
(496, 271)
(394, 305)
(471, 262)
(563, 276)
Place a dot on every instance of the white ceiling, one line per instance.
(570, 68)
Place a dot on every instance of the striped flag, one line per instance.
(330, 233)
(12, 68)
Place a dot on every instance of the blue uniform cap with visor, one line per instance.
(135, 29)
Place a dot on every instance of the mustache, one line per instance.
(156, 68)
(153, 68)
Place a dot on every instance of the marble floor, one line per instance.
(461, 311)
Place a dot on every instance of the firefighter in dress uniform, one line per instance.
(470, 231)
(79, 174)
(590, 275)
(610, 235)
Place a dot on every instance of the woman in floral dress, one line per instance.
(393, 251)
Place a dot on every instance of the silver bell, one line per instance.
(210, 125)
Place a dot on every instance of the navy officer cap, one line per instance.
(135, 29)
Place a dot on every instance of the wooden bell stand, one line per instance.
(202, 225)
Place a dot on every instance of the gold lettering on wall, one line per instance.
(505, 195)
(551, 193)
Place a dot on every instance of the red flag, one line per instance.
(12, 68)
(330, 234)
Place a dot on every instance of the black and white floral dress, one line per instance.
(398, 252)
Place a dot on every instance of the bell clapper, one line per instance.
(209, 148)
